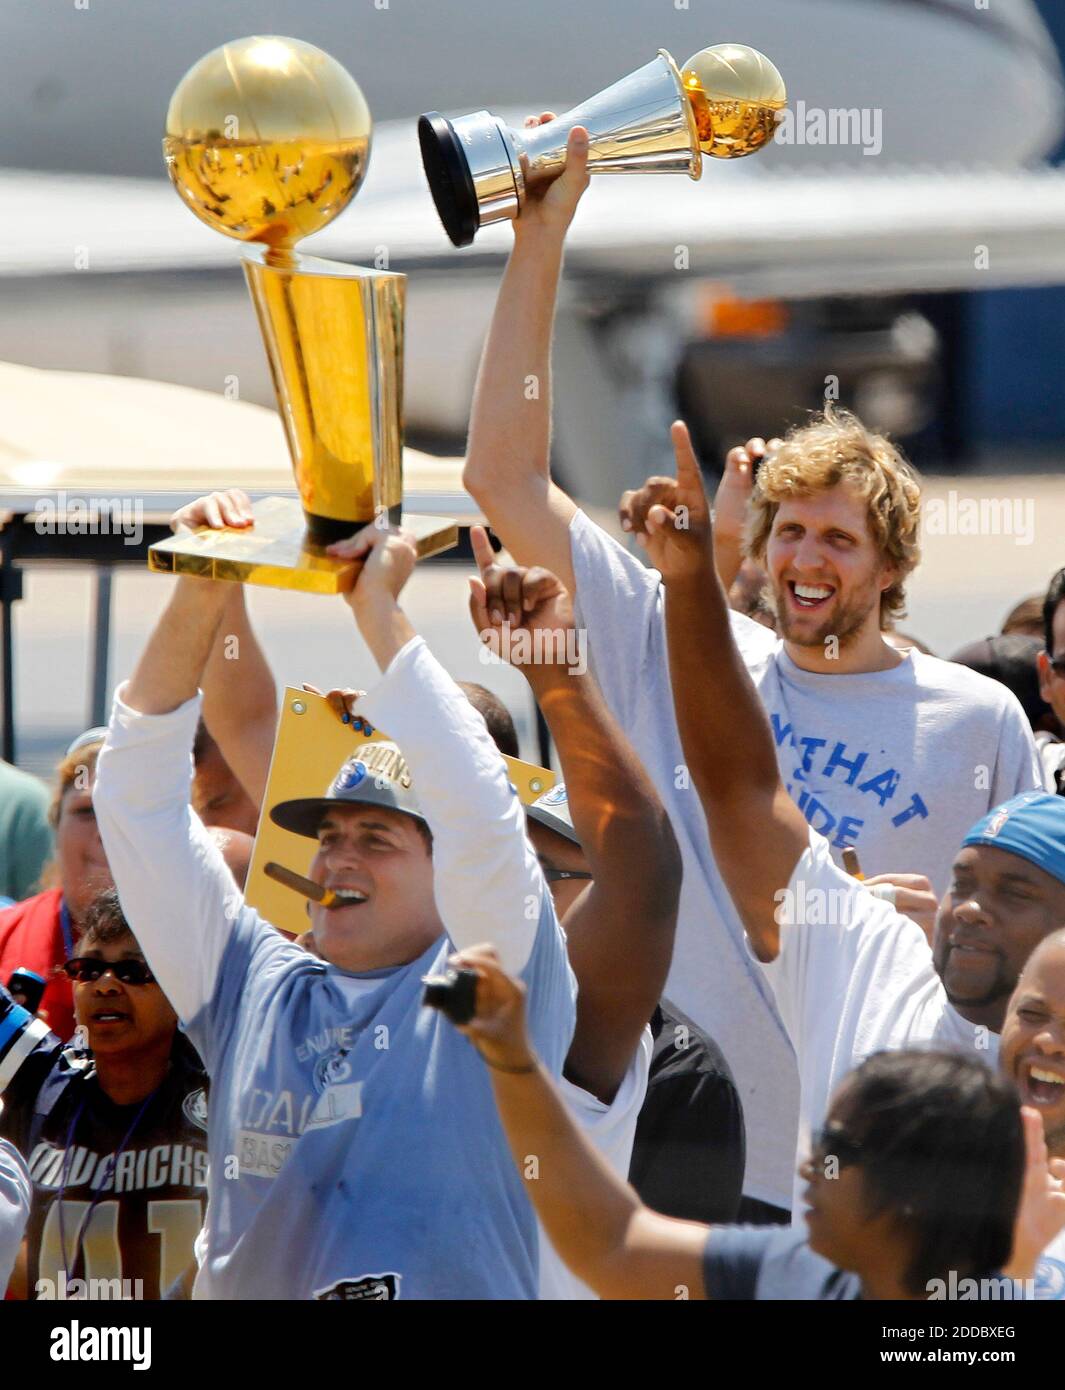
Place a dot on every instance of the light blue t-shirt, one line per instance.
(357, 1114)
(355, 1149)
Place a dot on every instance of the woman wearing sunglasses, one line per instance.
(112, 1127)
(926, 1173)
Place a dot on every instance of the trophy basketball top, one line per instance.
(736, 93)
(267, 140)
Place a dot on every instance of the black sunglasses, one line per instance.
(833, 1142)
(1057, 665)
(554, 875)
(86, 970)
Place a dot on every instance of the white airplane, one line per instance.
(911, 161)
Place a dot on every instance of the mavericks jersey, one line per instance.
(144, 1209)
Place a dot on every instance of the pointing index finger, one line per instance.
(689, 475)
(483, 553)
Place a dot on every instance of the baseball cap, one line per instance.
(96, 735)
(376, 775)
(1031, 825)
(552, 810)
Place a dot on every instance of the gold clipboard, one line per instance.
(310, 746)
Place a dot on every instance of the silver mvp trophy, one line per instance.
(661, 119)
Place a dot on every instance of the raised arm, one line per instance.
(596, 1222)
(756, 831)
(486, 878)
(507, 454)
(620, 930)
(239, 691)
(175, 889)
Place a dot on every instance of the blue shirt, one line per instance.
(355, 1150)
(364, 1130)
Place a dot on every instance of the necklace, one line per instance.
(101, 1187)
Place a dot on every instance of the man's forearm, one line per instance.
(629, 912)
(620, 821)
(172, 664)
(713, 693)
(510, 424)
(508, 450)
(240, 696)
(385, 628)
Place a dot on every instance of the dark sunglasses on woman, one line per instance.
(86, 970)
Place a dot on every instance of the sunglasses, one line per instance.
(833, 1142)
(554, 875)
(86, 970)
(1057, 665)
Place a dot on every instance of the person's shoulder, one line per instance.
(792, 1270)
(44, 906)
(19, 787)
(681, 1045)
(756, 642)
(935, 676)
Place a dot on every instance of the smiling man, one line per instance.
(893, 753)
(355, 1151)
(850, 974)
(1033, 1056)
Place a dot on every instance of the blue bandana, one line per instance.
(1031, 825)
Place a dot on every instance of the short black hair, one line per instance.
(496, 716)
(942, 1146)
(105, 922)
(1055, 594)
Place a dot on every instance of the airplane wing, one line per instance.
(875, 230)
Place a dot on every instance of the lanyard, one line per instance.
(101, 1187)
(67, 930)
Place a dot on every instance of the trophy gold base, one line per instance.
(274, 551)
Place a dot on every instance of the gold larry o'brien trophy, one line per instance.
(267, 140)
(660, 119)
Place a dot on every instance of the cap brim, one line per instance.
(304, 815)
(553, 822)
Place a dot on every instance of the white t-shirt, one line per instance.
(611, 1128)
(854, 977)
(904, 762)
(15, 1205)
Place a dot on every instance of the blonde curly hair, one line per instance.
(835, 447)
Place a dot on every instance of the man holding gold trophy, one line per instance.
(355, 1149)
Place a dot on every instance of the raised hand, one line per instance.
(506, 599)
(552, 206)
(734, 489)
(1041, 1211)
(497, 1028)
(216, 510)
(670, 517)
(342, 700)
(389, 556)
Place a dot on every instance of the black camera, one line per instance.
(453, 993)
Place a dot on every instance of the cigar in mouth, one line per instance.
(326, 897)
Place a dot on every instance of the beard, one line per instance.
(998, 987)
(844, 622)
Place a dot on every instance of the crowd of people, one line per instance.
(765, 999)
